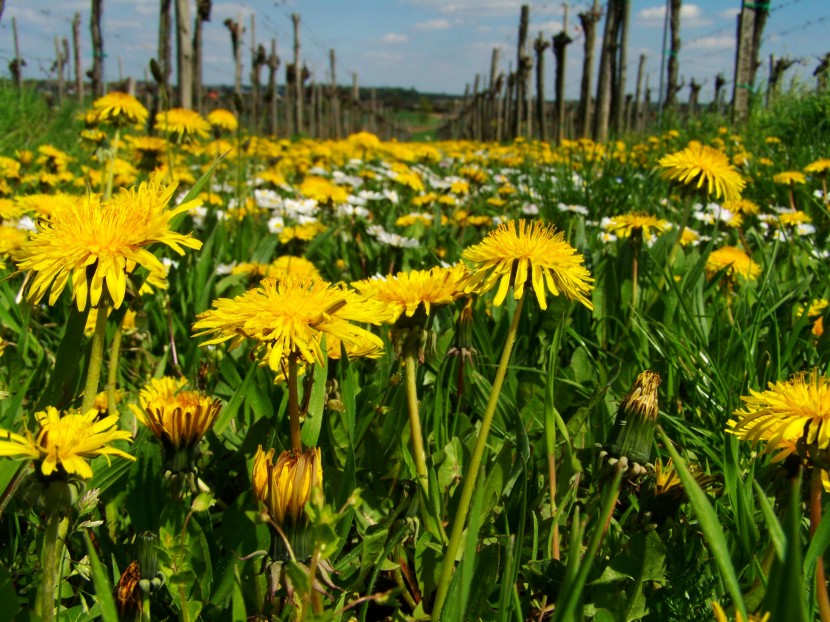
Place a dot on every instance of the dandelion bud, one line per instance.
(155, 69)
(147, 552)
(633, 431)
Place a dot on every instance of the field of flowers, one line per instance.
(246, 378)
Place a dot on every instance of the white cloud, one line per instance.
(394, 37)
(691, 16)
(725, 42)
(434, 24)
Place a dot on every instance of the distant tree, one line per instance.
(424, 109)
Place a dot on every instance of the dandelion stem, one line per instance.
(96, 356)
(415, 422)
(112, 372)
(56, 527)
(294, 405)
(460, 519)
(816, 489)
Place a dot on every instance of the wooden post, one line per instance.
(522, 68)
(184, 54)
(355, 120)
(203, 8)
(673, 65)
(335, 128)
(743, 64)
(694, 93)
(761, 13)
(76, 50)
(624, 8)
(776, 72)
(237, 30)
(97, 50)
(560, 44)
(254, 120)
(298, 77)
(16, 66)
(604, 79)
(165, 48)
(539, 46)
(638, 93)
(59, 63)
(589, 20)
(273, 66)
(491, 114)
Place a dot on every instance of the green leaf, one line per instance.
(310, 433)
(709, 524)
(103, 587)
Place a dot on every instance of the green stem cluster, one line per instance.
(460, 519)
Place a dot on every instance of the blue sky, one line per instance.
(431, 45)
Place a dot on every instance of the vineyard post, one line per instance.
(298, 77)
(355, 107)
(203, 8)
(255, 66)
(743, 61)
(673, 65)
(694, 93)
(493, 100)
(605, 76)
(18, 62)
(236, 29)
(508, 105)
(184, 54)
(522, 62)
(273, 66)
(624, 8)
(76, 50)
(59, 62)
(638, 93)
(560, 44)
(97, 49)
(539, 46)
(335, 130)
(589, 20)
(165, 48)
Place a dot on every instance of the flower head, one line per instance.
(405, 292)
(182, 124)
(633, 432)
(819, 167)
(700, 165)
(288, 317)
(636, 224)
(535, 253)
(120, 109)
(223, 119)
(64, 443)
(788, 414)
(285, 485)
(178, 418)
(96, 244)
(789, 178)
(734, 261)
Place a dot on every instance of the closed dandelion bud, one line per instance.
(155, 69)
(284, 486)
(463, 345)
(633, 431)
(147, 544)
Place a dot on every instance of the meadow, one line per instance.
(249, 378)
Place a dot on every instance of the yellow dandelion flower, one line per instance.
(11, 238)
(720, 615)
(789, 178)
(223, 119)
(178, 418)
(786, 413)
(322, 190)
(286, 317)
(304, 233)
(794, 218)
(734, 261)
(96, 244)
(406, 292)
(819, 167)
(699, 165)
(65, 442)
(182, 124)
(285, 485)
(741, 206)
(534, 252)
(636, 224)
(120, 109)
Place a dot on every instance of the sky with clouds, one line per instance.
(430, 45)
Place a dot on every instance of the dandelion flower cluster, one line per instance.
(734, 261)
(120, 109)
